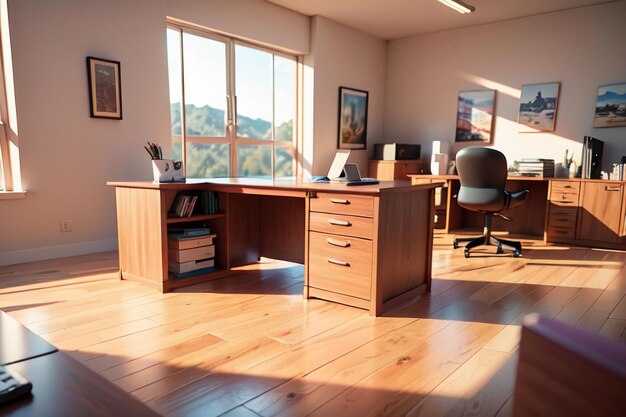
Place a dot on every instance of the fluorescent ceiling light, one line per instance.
(459, 6)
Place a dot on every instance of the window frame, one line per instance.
(10, 179)
(230, 115)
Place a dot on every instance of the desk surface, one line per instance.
(17, 343)
(288, 185)
(513, 178)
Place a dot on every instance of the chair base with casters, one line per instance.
(488, 240)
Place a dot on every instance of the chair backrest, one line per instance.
(482, 173)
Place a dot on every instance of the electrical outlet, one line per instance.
(66, 225)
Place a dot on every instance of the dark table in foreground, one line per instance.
(17, 343)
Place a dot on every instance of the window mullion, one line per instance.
(232, 109)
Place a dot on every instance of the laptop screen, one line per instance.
(352, 172)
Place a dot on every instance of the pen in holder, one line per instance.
(163, 170)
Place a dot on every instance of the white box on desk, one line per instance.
(193, 254)
(181, 268)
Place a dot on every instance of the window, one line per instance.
(232, 106)
(9, 164)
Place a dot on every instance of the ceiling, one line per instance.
(392, 19)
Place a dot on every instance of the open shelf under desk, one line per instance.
(174, 282)
(196, 218)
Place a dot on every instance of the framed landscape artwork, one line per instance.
(611, 106)
(537, 108)
(352, 118)
(105, 93)
(474, 120)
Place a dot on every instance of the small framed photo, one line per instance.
(352, 118)
(537, 107)
(474, 120)
(105, 88)
(611, 106)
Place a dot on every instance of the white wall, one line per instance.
(582, 48)
(255, 20)
(349, 58)
(66, 156)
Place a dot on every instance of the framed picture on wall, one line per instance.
(474, 120)
(537, 107)
(611, 106)
(105, 88)
(352, 119)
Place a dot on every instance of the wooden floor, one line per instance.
(249, 345)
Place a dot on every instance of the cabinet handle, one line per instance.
(341, 244)
(339, 201)
(336, 262)
(612, 188)
(339, 222)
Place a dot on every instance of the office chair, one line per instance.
(482, 173)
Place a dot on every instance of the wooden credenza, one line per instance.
(365, 246)
(395, 170)
(575, 211)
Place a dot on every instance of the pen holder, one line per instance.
(179, 173)
(163, 170)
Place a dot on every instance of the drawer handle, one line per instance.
(336, 262)
(612, 188)
(339, 201)
(341, 244)
(336, 222)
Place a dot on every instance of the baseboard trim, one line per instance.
(53, 252)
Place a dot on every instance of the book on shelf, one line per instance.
(190, 202)
(191, 274)
(188, 232)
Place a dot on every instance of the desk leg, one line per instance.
(305, 290)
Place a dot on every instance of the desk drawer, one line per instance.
(356, 205)
(562, 220)
(556, 233)
(571, 187)
(341, 225)
(561, 198)
(565, 193)
(341, 265)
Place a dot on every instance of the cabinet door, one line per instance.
(599, 213)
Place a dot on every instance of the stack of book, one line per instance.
(536, 167)
(192, 202)
(191, 252)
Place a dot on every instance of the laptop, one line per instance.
(336, 168)
(353, 176)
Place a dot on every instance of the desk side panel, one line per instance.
(282, 228)
(405, 229)
(142, 235)
(243, 229)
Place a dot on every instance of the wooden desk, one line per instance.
(365, 246)
(17, 343)
(575, 211)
